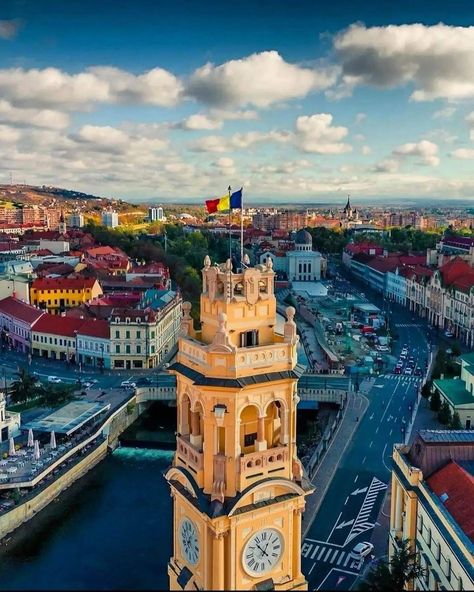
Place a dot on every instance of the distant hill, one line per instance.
(30, 194)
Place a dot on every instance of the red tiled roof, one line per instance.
(20, 310)
(57, 325)
(458, 484)
(363, 248)
(95, 328)
(457, 273)
(77, 283)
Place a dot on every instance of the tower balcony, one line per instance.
(188, 455)
(242, 361)
(274, 462)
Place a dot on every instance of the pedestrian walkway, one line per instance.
(409, 325)
(327, 553)
(356, 407)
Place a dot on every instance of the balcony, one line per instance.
(269, 462)
(278, 356)
(188, 455)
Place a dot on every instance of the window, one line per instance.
(117, 334)
(139, 349)
(249, 439)
(127, 349)
(249, 339)
(127, 334)
(153, 335)
(117, 349)
(420, 523)
(139, 334)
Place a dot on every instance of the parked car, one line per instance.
(127, 384)
(361, 550)
(54, 379)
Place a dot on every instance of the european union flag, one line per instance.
(236, 199)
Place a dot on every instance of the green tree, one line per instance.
(444, 414)
(435, 401)
(394, 576)
(426, 390)
(456, 349)
(23, 388)
(57, 394)
(455, 423)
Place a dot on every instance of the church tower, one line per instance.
(237, 485)
(62, 224)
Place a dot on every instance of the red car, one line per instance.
(397, 370)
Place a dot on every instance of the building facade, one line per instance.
(57, 294)
(432, 492)
(110, 219)
(16, 322)
(155, 214)
(236, 479)
(93, 344)
(459, 392)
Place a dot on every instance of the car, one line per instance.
(448, 334)
(361, 550)
(397, 370)
(54, 379)
(127, 384)
(399, 364)
(418, 371)
(408, 371)
(87, 385)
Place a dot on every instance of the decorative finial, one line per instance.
(246, 259)
(228, 265)
(207, 262)
(290, 312)
(269, 263)
(221, 319)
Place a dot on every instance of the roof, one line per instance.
(450, 436)
(457, 273)
(95, 328)
(469, 358)
(455, 391)
(57, 325)
(20, 310)
(454, 485)
(76, 283)
(67, 419)
(303, 237)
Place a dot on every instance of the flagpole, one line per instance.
(230, 221)
(242, 230)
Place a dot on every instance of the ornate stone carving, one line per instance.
(251, 287)
(221, 341)
(186, 320)
(289, 328)
(211, 282)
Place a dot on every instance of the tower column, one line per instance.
(196, 437)
(284, 426)
(296, 542)
(261, 443)
(218, 562)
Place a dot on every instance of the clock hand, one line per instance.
(262, 550)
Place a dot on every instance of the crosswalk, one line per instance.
(408, 325)
(402, 378)
(327, 553)
(361, 523)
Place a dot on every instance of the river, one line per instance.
(109, 530)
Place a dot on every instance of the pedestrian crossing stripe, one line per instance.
(326, 553)
(408, 325)
(403, 378)
(361, 523)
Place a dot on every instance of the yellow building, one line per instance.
(237, 485)
(431, 506)
(58, 294)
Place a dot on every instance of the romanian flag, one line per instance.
(225, 203)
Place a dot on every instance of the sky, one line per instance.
(299, 101)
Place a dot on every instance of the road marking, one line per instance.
(361, 525)
(314, 552)
(347, 498)
(348, 558)
(322, 553)
(370, 445)
(361, 490)
(376, 431)
(327, 554)
(312, 567)
(355, 480)
(400, 408)
(335, 525)
(363, 461)
(335, 554)
(344, 524)
(372, 416)
(391, 432)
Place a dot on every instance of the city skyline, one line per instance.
(293, 102)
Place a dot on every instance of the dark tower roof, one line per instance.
(303, 237)
(348, 204)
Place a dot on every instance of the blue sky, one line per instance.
(292, 100)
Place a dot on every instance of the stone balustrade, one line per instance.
(264, 461)
(187, 452)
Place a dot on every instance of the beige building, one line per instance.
(431, 506)
(236, 482)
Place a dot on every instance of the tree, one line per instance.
(394, 576)
(23, 388)
(435, 401)
(456, 349)
(444, 414)
(455, 423)
(426, 390)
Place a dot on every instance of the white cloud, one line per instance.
(32, 117)
(366, 150)
(238, 141)
(51, 87)
(314, 133)
(359, 137)
(235, 115)
(426, 151)
(389, 165)
(470, 123)
(8, 135)
(360, 117)
(436, 59)
(199, 121)
(260, 79)
(225, 162)
(463, 153)
(441, 135)
(445, 113)
(9, 28)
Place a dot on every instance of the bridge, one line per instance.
(322, 388)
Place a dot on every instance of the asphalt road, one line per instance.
(350, 508)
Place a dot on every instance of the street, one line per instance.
(350, 508)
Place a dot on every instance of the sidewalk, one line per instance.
(356, 407)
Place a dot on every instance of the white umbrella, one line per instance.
(31, 441)
(53, 440)
(37, 450)
(12, 450)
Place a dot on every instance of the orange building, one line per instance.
(237, 485)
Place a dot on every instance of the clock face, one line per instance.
(188, 537)
(262, 552)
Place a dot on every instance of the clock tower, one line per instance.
(237, 485)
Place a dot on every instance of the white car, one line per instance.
(127, 384)
(54, 379)
(408, 371)
(361, 550)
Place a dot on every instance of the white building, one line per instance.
(304, 264)
(9, 421)
(76, 220)
(155, 214)
(396, 286)
(110, 219)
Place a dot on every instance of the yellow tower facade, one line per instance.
(237, 485)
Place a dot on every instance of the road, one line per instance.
(349, 510)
